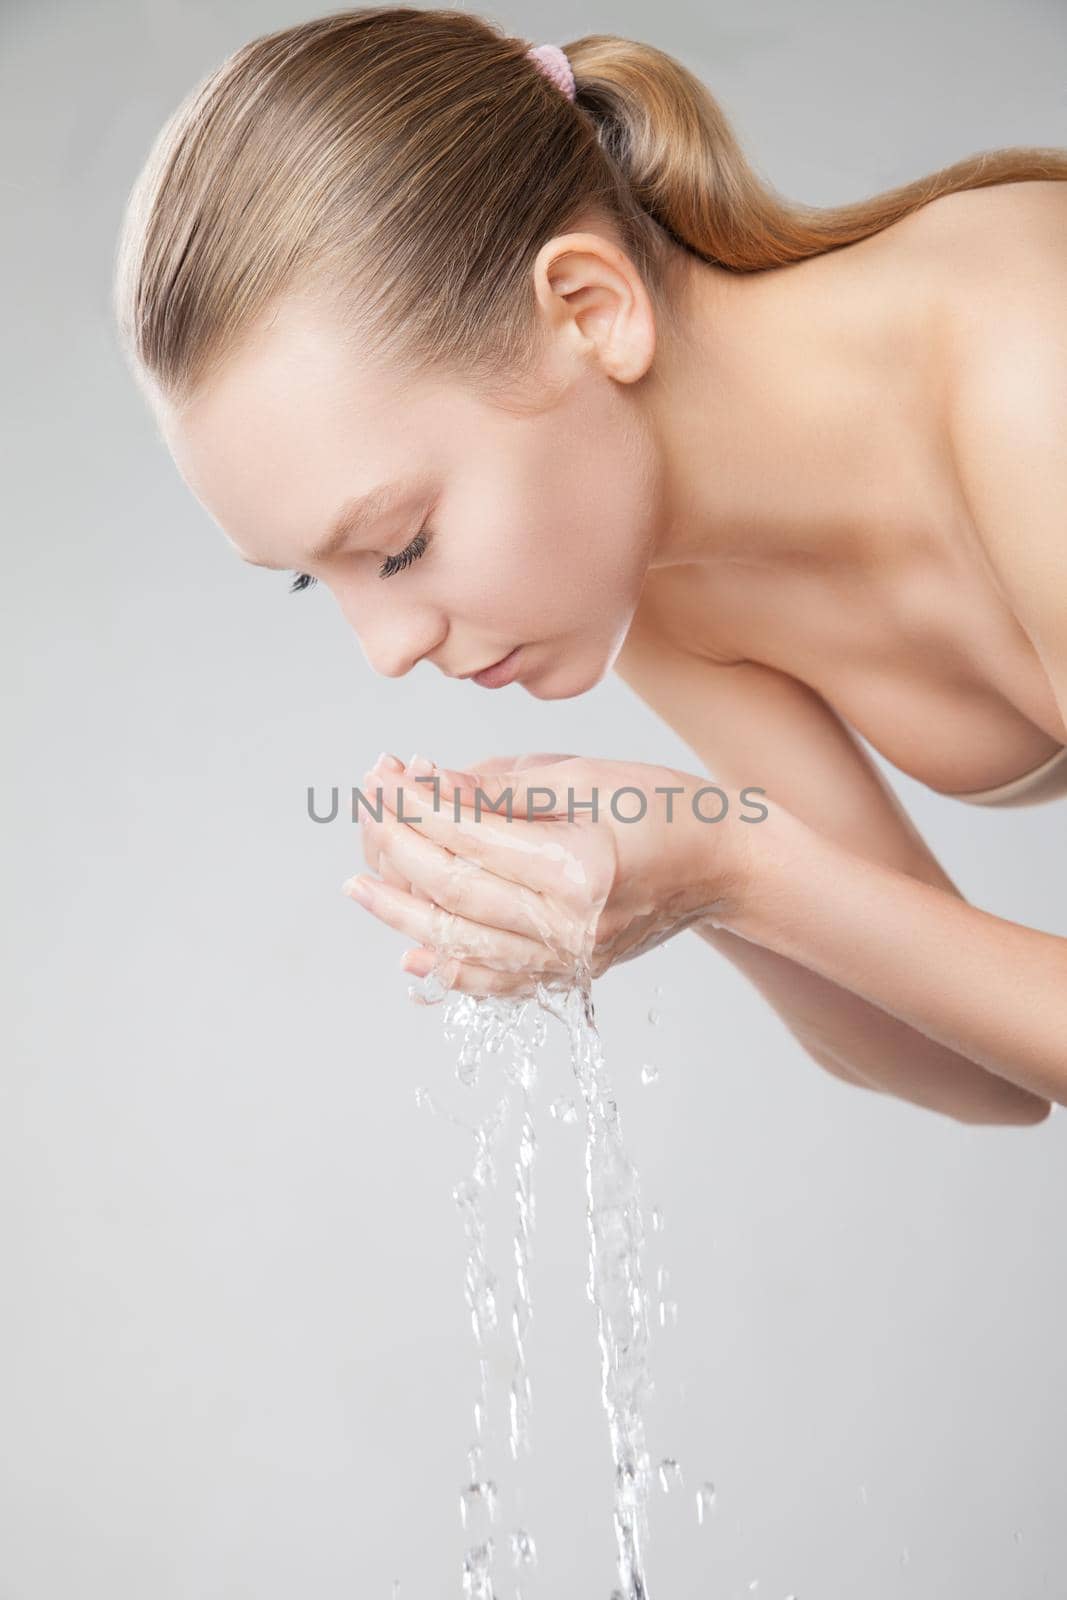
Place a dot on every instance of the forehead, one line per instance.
(292, 390)
(294, 423)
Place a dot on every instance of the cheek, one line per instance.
(565, 548)
(570, 576)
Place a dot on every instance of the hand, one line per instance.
(372, 831)
(506, 904)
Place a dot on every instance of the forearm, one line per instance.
(989, 990)
(862, 1044)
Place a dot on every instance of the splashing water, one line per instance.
(484, 1030)
(615, 1285)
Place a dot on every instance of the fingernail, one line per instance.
(419, 767)
(418, 962)
(359, 889)
(387, 763)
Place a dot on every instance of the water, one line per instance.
(615, 1286)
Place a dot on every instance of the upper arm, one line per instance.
(753, 725)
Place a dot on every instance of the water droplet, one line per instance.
(658, 990)
(477, 1583)
(1017, 1536)
(705, 1500)
(662, 1276)
(863, 1493)
(668, 1312)
(523, 1551)
(905, 1556)
(657, 1220)
(669, 1473)
(649, 1073)
(653, 1016)
(428, 991)
(563, 1110)
(753, 1585)
(475, 1495)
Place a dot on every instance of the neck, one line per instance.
(796, 410)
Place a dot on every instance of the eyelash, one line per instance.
(412, 553)
(391, 564)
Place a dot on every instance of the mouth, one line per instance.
(499, 672)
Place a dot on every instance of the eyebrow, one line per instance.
(353, 516)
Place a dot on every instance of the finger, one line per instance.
(373, 836)
(443, 930)
(370, 839)
(468, 977)
(369, 806)
(370, 827)
(537, 854)
(473, 891)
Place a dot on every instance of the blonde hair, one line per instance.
(407, 165)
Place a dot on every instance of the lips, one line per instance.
(500, 672)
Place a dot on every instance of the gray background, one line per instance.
(235, 1359)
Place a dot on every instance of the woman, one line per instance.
(523, 335)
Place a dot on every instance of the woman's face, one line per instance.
(538, 528)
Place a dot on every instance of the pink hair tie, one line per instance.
(551, 60)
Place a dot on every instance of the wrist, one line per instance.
(754, 867)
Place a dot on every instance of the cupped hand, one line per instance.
(373, 831)
(538, 869)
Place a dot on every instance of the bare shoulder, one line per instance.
(980, 227)
(1002, 305)
(1000, 253)
(1005, 316)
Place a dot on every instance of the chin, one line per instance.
(567, 681)
(550, 691)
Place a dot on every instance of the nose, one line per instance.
(394, 636)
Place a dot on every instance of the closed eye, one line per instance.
(391, 564)
(411, 553)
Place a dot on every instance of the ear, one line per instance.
(595, 303)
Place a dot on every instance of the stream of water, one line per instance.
(514, 1031)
